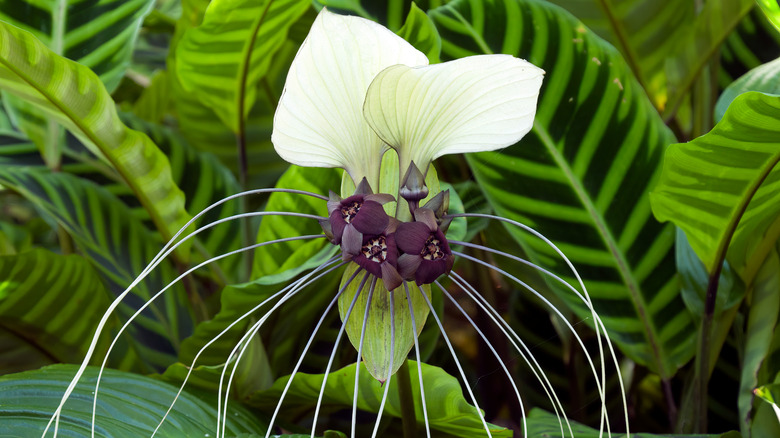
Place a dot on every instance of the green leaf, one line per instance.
(420, 31)
(71, 94)
(223, 59)
(448, 410)
(56, 312)
(644, 31)
(129, 405)
(378, 338)
(721, 187)
(761, 321)
(700, 42)
(763, 79)
(771, 9)
(581, 177)
(389, 13)
(119, 246)
(770, 394)
(289, 256)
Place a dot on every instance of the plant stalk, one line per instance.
(407, 400)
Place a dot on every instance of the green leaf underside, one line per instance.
(73, 96)
(224, 58)
(378, 338)
(55, 312)
(448, 410)
(27, 401)
(582, 175)
(724, 182)
(119, 246)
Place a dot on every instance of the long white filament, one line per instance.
(514, 339)
(493, 350)
(164, 252)
(360, 356)
(590, 305)
(289, 290)
(457, 362)
(306, 349)
(390, 370)
(419, 365)
(333, 355)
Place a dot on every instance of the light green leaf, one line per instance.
(761, 321)
(129, 405)
(581, 176)
(770, 394)
(765, 78)
(771, 9)
(378, 339)
(223, 59)
(420, 32)
(71, 94)
(448, 410)
(721, 188)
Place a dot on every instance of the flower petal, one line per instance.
(411, 236)
(319, 120)
(371, 219)
(473, 104)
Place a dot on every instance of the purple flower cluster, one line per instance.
(387, 248)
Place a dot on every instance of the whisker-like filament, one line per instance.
(515, 339)
(493, 350)
(168, 248)
(390, 369)
(417, 356)
(333, 354)
(597, 321)
(238, 350)
(360, 355)
(306, 348)
(289, 289)
(457, 362)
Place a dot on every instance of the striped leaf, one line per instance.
(763, 78)
(129, 406)
(582, 176)
(753, 42)
(223, 59)
(721, 188)
(119, 246)
(389, 13)
(98, 35)
(73, 96)
(644, 31)
(420, 32)
(699, 43)
(57, 312)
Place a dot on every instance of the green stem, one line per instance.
(407, 400)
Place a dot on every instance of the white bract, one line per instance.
(355, 89)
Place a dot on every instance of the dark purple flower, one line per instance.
(378, 255)
(358, 215)
(426, 253)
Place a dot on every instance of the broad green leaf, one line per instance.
(56, 312)
(765, 79)
(119, 246)
(770, 394)
(581, 177)
(100, 36)
(223, 59)
(755, 41)
(383, 315)
(389, 13)
(288, 256)
(721, 188)
(699, 43)
(644, 31)
(71, 94)
(761, 321)
(546, 424)
(129, 405)
(771, 9)
(448, 410)
(420, 32)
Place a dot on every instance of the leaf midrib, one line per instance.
(610, 242)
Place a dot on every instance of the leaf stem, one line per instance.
(407, 401)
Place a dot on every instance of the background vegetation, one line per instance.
(651, 164)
